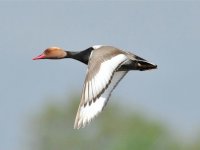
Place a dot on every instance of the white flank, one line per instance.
(95, 86)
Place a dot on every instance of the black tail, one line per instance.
(143, 65)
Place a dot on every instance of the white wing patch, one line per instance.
(94, 87)
(89, 111)
(98, 89)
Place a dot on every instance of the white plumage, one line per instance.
(97, 90)
(88, 112)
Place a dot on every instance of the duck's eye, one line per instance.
(47, 52)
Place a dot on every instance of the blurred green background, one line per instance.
(117, 128)
(156, 109)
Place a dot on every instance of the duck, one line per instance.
(106, 67)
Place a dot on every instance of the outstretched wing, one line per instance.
(100, 81)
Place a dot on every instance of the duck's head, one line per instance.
(52, 53)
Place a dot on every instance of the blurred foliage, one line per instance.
(113, 129)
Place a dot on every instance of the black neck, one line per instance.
(82, 56)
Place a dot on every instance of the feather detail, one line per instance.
(89, 111)
(97, 88)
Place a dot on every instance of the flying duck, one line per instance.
(107, 65)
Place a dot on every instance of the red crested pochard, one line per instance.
(107, 65)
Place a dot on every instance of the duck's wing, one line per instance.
(100, 81)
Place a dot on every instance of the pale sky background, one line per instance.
(166, 33)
